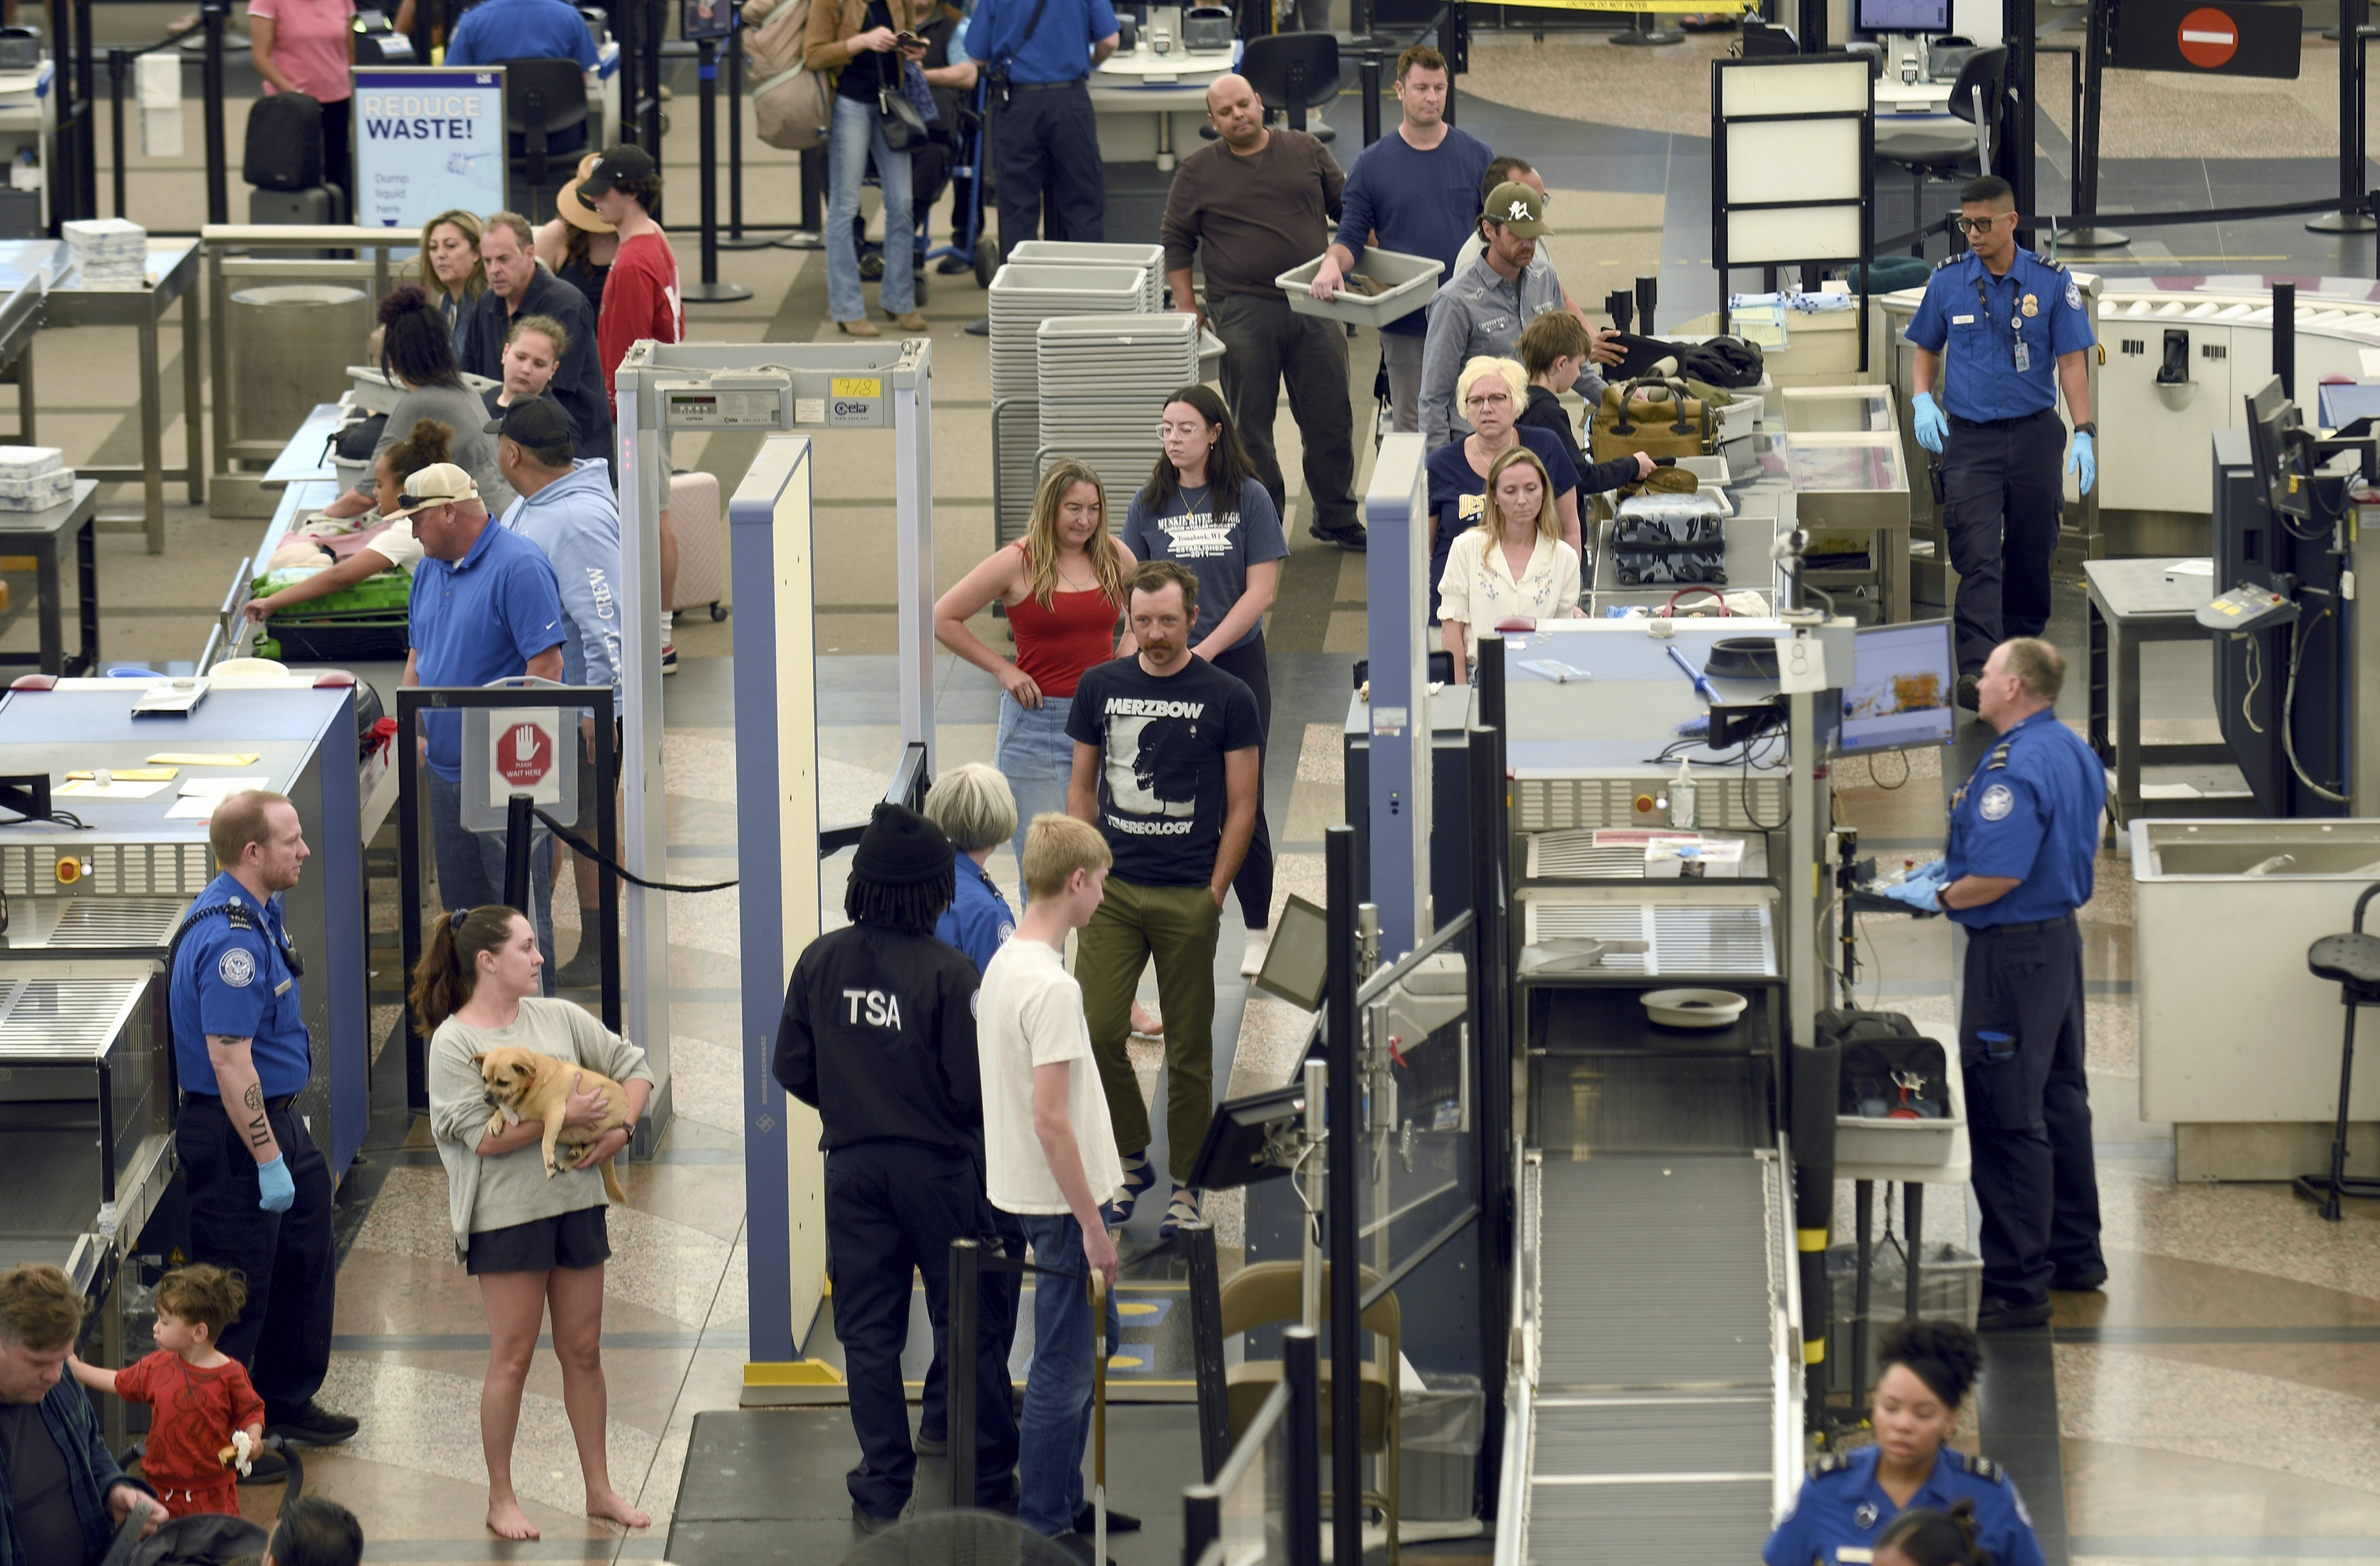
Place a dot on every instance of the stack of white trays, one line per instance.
(1083, 252)
(108, 252)
(1022, 296)
(1104, 383)
(33, 478)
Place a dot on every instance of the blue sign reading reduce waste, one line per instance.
(428, 140)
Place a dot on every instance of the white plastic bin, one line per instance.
(1412, 283)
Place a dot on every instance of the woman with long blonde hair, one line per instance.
(1515, 563)
(1063, 587)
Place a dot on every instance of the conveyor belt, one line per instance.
(1653, 1426)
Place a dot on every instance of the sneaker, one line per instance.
(2081, 1281)
(585, 969)
(2011, 1316)
(1138, 1176)
(1181, 1210)
(1087, 1521)
(1352, 539)
(668, 658)
(1252, 961)
(1967, 695)
(932, 1444)
(312, 1426)
(267, 1467)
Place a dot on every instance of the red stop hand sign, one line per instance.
(524, 755)
(2208, 38)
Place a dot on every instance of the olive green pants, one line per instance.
(1177, 925)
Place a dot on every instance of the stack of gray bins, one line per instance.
(1022, 296)
(1104, 383)
(1084, 252)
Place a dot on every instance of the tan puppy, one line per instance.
(525, 1084)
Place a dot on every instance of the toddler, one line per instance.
(206, 1419)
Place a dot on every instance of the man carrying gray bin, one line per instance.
(1259, 203)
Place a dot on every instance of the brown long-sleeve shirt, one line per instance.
(1255, 217)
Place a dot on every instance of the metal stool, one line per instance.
(2354, 962)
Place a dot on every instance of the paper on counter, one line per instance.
(2199, 567)
(201, 758)
(91, 788)
(216, 788)
(127, 775)
(194, 807)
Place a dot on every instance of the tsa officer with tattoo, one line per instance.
(260, 1190)
(2017, 335)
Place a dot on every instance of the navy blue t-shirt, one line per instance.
(1162, 746)
(1458, 493)
(1418, 203)
(1219, 550)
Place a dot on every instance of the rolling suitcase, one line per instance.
(701, 543)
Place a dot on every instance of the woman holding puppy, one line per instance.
(533, 1242)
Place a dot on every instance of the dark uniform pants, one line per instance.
(1265, 344)
(284, 1332)
(892, 1209)
(1045, 140)
(2029, 1108)
(2001, 499)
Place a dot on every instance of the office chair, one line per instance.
(544, 100)
(1976, 97)
(1292, 72)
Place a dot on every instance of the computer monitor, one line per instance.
(1898, 697)
(2277, 447)
(1240, 1144)
(1903, 16)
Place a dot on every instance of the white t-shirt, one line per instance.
(1478, 588)
(396, 544)
(1028, 1014)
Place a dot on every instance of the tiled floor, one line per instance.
(2218, 1403)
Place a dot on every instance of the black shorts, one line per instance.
(574, 1239)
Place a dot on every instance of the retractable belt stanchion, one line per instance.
(520, 827)
(218, 171)
(709, 290)
(736, 239)
(2098, 41)
(1371, 72)
(2351, 217)
(118, 61)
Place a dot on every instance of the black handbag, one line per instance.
(904, 127)
(1890, 1071)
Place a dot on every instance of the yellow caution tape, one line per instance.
(798, 1373)
(1814, 1351)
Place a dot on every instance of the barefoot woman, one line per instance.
(534, 1243)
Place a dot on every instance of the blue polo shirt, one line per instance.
(1059, 49)
(2029, 809)
(1984, 320)
(1841, 1511)
(232, 978)
(977, 921)
(478, 619)
(495, 30)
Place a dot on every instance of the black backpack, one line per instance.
(1890, 1070)
(285, 143)
(1729, 363)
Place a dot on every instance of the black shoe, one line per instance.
(1079, 1546)
(2011, 1316)
(267, 1467)
(2083, 1280)
(312, 1426)
(585, 969)
(951, 266)
(871, 268)
(1117, 1521)
(1349, 538)
(866, 1522)
(1967, 698)
(932, 1446)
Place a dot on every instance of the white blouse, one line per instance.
(1478, 588)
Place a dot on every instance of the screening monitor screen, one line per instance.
(1900, 693)
(1903, 16)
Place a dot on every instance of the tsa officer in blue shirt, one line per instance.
(1851, 1499)
(976, 810)
(2017, 334)
(1038, 55)
(260, 1191)
(2024, 829)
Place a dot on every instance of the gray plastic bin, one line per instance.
(1412, 283)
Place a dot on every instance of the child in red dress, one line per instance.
(201, 1398)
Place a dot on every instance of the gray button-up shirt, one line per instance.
(1480, 314)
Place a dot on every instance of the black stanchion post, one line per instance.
(218, 168)
(1370, 72)
(1342, 1162)
(736, 239)
(2350, 217)
(607, 840)
(1301, 1442)
(709, 290)
(814, 189)
(1648, 296)
(410, 796)
(649, 25)
(2099, 40)
(1206, 1298)
(1490, 1046)
(1814, 1081)
(2013, 116)
(967, 1274)
(86, 121)
(1454, 42)
(118, 59)
(2285, 338)
(520, 827)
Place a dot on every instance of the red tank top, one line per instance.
(1055, 645)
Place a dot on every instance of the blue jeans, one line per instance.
(1056, 1424)
(852, 135)
(1036, 754)
(471, 864)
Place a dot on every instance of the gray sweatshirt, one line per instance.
(576, 520)
(460, 409)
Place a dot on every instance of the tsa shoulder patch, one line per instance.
(1983, 1468)
(2074, 294)
(1998, 801)
(237, 966)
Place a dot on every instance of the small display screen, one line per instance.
(1900, 692)
(1904, 16)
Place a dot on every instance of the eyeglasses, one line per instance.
(1187, 431)
(1487, 399)
(1979, 225)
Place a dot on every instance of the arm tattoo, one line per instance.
(254, 1099)
(258, 1133)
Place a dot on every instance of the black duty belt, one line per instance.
(2030, 927)
(2019, 421)
(283, 1102)
(1047, 86)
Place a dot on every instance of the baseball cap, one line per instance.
(575, 212)
(1518, 208)
(537, 423)
(435, 485)
(619, 166)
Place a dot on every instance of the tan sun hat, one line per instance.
(575, 211)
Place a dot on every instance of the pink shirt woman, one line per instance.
(308, 46)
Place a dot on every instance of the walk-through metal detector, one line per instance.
(793, 390)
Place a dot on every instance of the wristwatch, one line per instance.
(2087, 427)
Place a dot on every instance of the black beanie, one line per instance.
(901, 848)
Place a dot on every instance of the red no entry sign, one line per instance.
(2208, 38)
(524, 755)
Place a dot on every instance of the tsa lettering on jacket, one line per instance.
(883, 1009)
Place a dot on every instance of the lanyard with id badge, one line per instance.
(2020, 351)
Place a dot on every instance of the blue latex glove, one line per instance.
(1934, 872)
(1918, 893)
(1931, 426)
(279, 1189)
(2083, 462)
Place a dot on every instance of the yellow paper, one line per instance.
(129, 775)
(194, 759)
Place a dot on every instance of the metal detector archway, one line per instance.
(794, 391)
